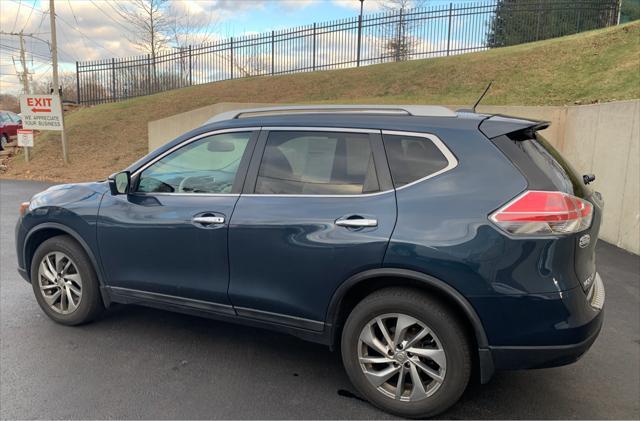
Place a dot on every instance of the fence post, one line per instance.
(538, 21)
(77, 84)
(314, 47)
(148, 74)
(578, 22)
(190, 72)
(272, 51)
(399, 40)
(113, 79)
(359, 38)
(449, 35)
(231, 61)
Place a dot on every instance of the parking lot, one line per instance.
(142, 363)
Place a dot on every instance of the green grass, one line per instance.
(591, 67)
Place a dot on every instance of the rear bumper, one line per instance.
(527, 357)
(541, 331)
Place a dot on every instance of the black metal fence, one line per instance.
(376, 38)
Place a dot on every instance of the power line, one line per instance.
(13, 28)
(41, 20)
(108, 16)
(26, 5)
(77, 24)
(83, 35)
(27, 21)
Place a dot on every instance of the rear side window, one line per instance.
(322, 163)
(412, 158)
(541, 163)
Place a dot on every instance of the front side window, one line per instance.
(207, 165)
(322, 163)
(412, 158)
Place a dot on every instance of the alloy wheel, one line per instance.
(60, 282)
(401, 357)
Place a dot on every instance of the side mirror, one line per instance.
(119, 183)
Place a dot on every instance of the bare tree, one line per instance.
(400, 44)
(186, 28)
(67, 82)
(149, 23)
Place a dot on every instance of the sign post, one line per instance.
(25, 140)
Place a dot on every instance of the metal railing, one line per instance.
(375, 38)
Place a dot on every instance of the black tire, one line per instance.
(443, 322)
(90, 305)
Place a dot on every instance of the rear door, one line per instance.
(317, 207)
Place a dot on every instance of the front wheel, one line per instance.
(64, 281)
(406, 353)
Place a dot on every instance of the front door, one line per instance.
(169, 235)
(318, 207)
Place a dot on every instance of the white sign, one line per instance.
(25, 138)
(41, 112)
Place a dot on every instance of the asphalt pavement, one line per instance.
(137, 362)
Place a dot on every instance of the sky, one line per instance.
(92, 29)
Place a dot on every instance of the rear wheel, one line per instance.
(406, 353)
(64, 282)
(3, 141)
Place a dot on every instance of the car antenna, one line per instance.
(481, 96)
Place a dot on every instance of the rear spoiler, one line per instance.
(499, 125)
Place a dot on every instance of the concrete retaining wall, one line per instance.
(603, 139)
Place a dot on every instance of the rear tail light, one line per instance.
(544, 212)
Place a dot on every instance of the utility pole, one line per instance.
(54, 59)
(25, 82)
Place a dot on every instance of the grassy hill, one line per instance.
(596, 66)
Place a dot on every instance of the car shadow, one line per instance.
(509, 395)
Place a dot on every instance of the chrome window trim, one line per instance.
(319, 129)
(186, 194)
(319, 195)
(451, 159)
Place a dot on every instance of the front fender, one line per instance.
(71, 209)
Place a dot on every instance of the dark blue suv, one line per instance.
(425, 244)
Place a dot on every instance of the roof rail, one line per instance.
(408, 110)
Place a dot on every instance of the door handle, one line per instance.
(208, 220)
(357, 222)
